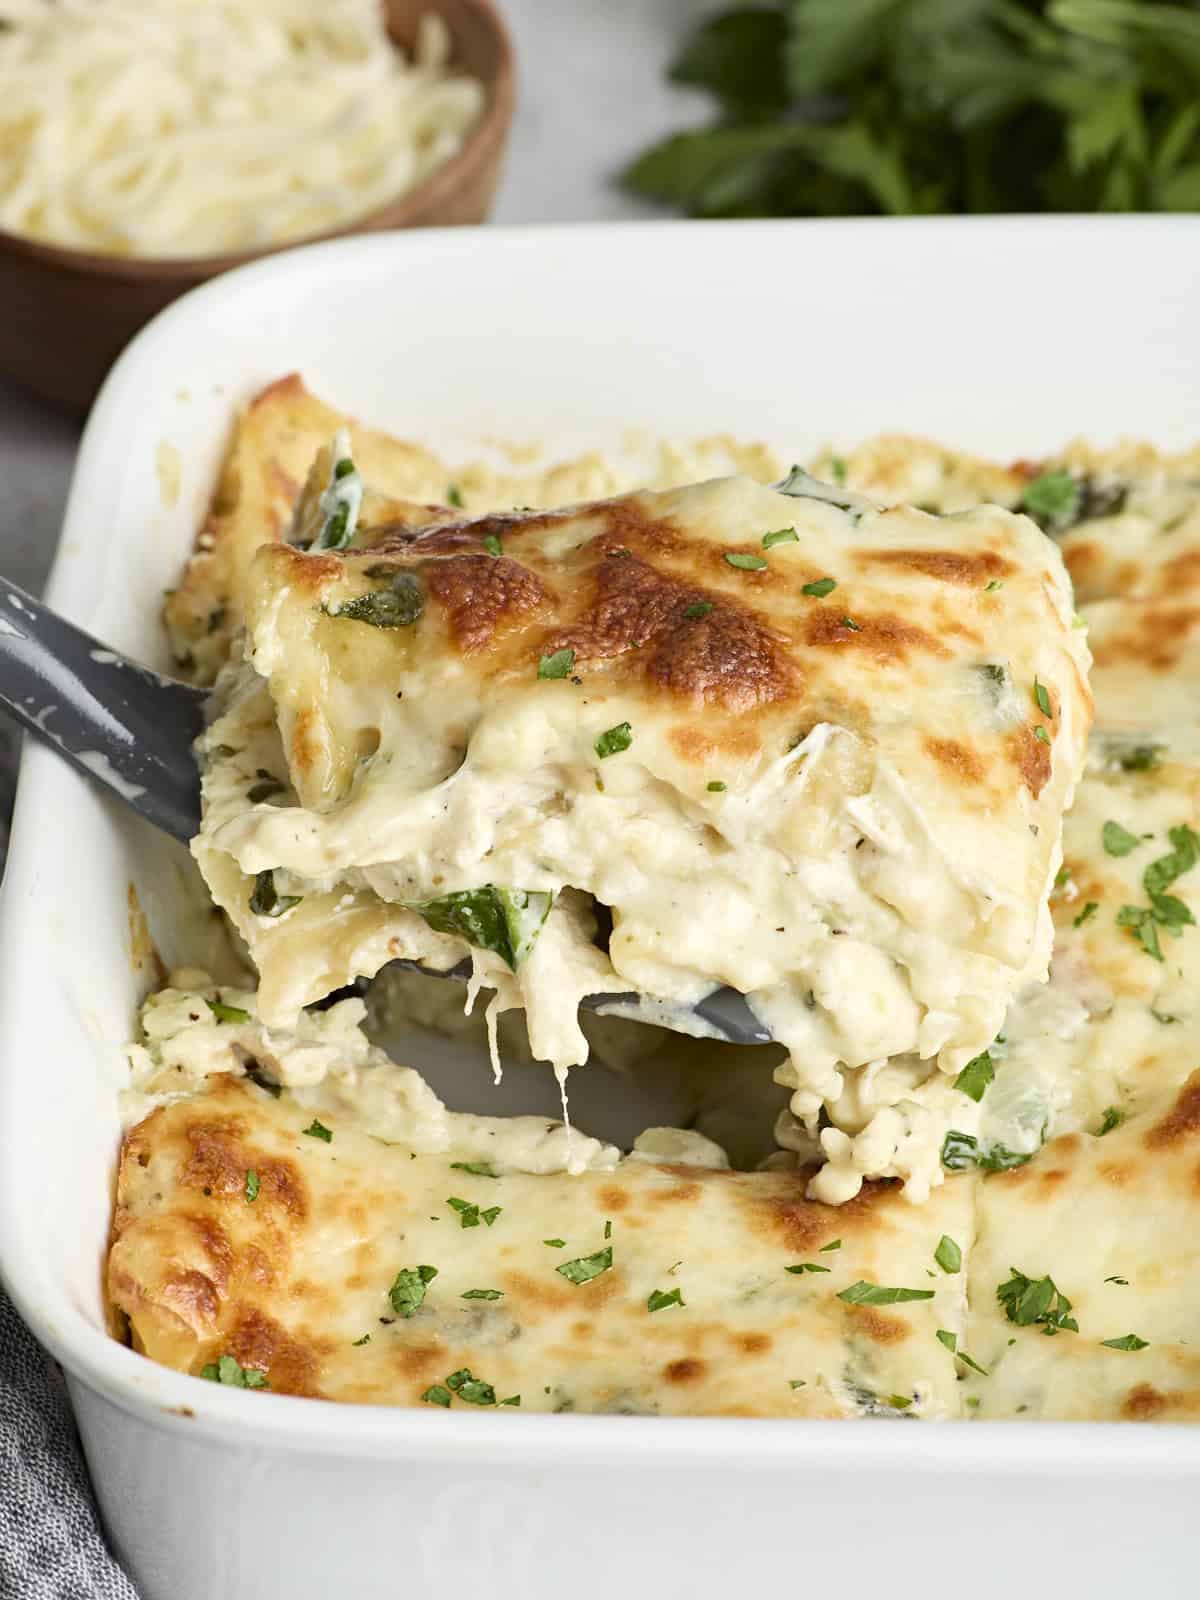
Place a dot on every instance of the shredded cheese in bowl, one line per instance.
(201, 127)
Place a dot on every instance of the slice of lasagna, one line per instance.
(1083, 1272)
(775, 739)
(264, 1246)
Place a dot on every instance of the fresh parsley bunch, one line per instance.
(836, 107)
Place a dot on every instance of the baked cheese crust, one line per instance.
(545, 1290)
(281, 432)
(1108, 1220)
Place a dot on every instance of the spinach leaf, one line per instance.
(506, 921)
(398, 605)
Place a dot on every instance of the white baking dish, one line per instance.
(1005, 335)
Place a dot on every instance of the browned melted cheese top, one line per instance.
(289, 1282)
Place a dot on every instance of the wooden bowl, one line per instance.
(67, 314)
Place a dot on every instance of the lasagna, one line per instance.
(777, 739)
(298, 1212)
(349, 1239)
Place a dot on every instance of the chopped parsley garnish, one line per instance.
(492, 545)
(555, 1244)
(699, 608)
(468, 1214)
(834, 1244)
(1040, 733)
(231, 1372)
(1029, 1301)
(899, 1402)
(1124, 1282)
(1088, 912)
(990, 588)
(513, 1400)
(1129, 1341)
(1185, 852)
(477, 1169)
(366, 1339)
(477, 1393)
(819, 588)
(398, 605)
(1052, 500)
(780, 536)
(584, 1268)
(1140, 922)
(559, 665)
(505, 921)
(950, 1340)
(876, 1294)
(482, 1294)
(837, 470)
(608, 1230)
(454, 496)
(266, 901)
(975, 1076)
(489, 1216)
(408, 1290)
(224, 1013)
(801, 1267)
(849, 622)
(1042, 696)
(437, 1395)
(660, 1300)
(948, 1254)
(317, 1130)
(614, 740)
(1118, 841)
(253, 1186)
(747, 563)
(1112, 1118)
(962, 1151)
(1171, 911)
(467, 1387)
(716, 787)
(797, 1383)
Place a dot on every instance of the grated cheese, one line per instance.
(195, 127)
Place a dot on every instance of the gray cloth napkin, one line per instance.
(51, 1545)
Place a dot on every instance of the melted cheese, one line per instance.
(871, 867)
(1110, 1221)
(330, 1068)
(286, 428)
(296, 1283)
